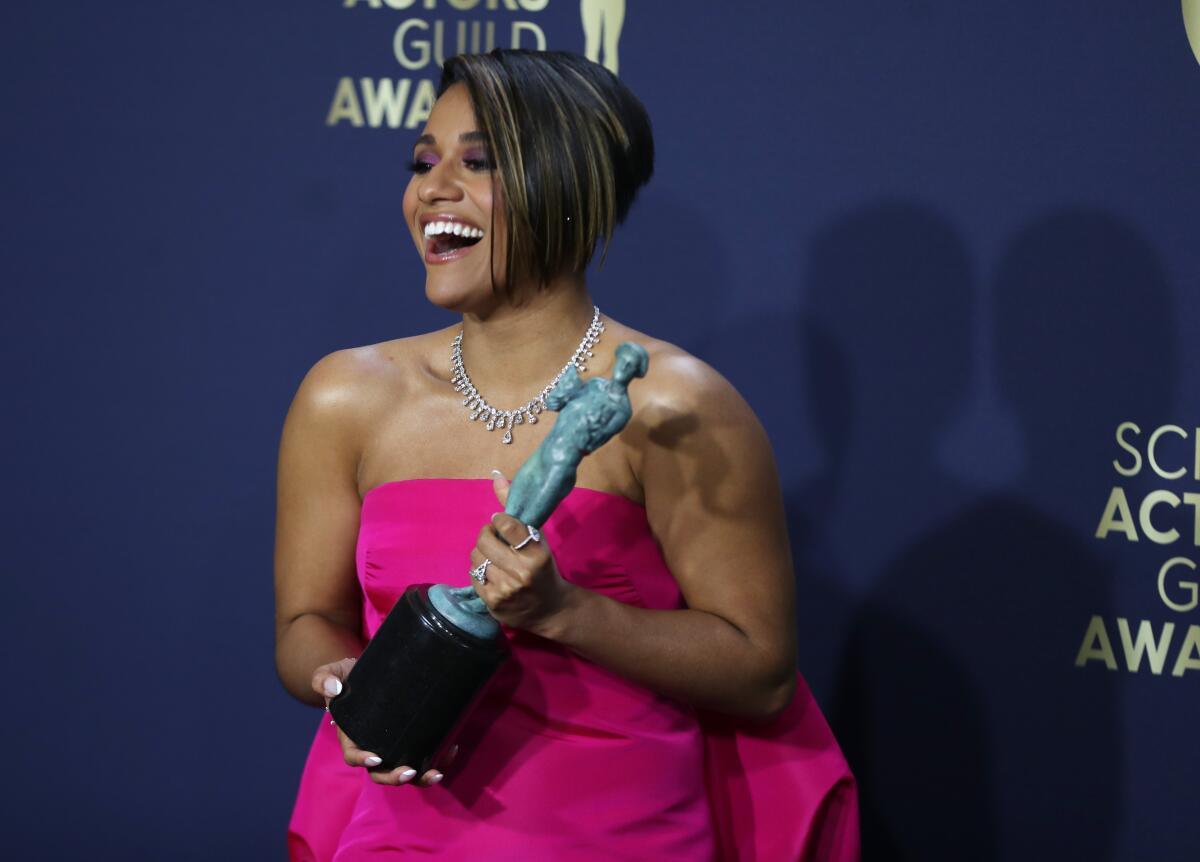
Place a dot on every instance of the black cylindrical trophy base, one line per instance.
(414, 683)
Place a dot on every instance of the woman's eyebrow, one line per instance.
(464, 138)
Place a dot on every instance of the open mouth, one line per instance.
(447, 239)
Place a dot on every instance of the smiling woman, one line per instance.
(651, 708)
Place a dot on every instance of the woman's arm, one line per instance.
(318, 610)
(714, 503)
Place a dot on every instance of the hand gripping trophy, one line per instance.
(431, 658)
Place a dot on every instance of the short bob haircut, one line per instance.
(571, 146)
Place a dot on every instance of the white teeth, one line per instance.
(434, 228)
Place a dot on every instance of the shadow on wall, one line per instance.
(666, 273)
(885, 358)
(843, 384)
(886, 337)
(971, 732)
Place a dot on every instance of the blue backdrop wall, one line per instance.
(948, 251)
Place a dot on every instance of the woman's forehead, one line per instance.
(452, 114)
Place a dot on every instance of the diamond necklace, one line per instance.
(478, 406)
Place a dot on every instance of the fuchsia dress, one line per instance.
(563, 760)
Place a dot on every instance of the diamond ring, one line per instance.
(479, 573)
(534, 536)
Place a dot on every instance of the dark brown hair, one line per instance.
(571, 147)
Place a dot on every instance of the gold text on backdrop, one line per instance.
(1163, 516)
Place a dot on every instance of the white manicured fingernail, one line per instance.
(407, 774)
(436, 778)
(333, 687)
(496, 474)
(373, 760)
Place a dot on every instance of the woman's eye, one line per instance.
(419, 167)
(478, 164)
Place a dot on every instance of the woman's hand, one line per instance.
(523, 588)
(327, 681)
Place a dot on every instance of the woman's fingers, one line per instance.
(393, 777)
(500, 583)
(328, 685)
(522, 589)
(355, 756)
(498, 547)
(500, 486)
(327, 679)
(405, 775)
(508, 528)
(325, 684)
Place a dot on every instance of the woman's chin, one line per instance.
(456, 296)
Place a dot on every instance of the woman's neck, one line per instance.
(512, 351)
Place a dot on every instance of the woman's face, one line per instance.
(448, 206)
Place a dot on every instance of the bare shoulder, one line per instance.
(680, 384)
(688, 420)
(342, 397)
(349, 387)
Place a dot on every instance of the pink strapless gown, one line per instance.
(563, 760)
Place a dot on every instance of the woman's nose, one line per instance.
(438, 185)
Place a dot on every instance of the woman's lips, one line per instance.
(435, 257)
(448, 238)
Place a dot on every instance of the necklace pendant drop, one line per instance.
(478, 407)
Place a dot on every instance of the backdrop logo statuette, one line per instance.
(1191, 23)
(602, 22)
